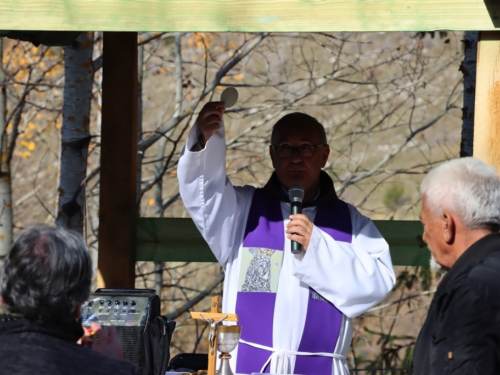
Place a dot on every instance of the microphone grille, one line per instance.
(296, 193)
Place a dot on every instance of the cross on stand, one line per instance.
(214, 317)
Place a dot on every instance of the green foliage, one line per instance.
(407, 278)
(412, 276)
(389, 361)
(394, 197)
(425, 276)
(408, 357)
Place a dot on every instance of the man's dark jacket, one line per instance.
(461, 334)
(33, 348)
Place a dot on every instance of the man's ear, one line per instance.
(449, 227)
(78, 312)
(325, 154)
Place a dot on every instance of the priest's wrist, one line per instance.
(200, 145)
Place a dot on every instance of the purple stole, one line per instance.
(264, 236)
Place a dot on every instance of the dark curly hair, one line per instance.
(47, 274)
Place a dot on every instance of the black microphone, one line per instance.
(296, 194)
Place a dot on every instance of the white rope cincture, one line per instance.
(277, 352)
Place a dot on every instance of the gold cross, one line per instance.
(214, 317)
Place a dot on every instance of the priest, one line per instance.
(295, 310)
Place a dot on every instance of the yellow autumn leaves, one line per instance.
(21, 60)
(26, 144)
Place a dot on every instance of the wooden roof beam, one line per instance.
(250, 15)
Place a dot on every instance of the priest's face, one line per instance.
(298, 153)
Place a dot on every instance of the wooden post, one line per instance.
(468, 69)
(213, 317)
(487, 107)
(118, 175)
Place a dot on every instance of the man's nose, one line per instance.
(295, 157)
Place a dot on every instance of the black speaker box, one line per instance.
(129, 310)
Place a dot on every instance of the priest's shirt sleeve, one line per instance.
(218, 209)
(353, 276)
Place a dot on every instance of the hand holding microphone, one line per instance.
(296, 195)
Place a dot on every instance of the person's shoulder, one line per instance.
(485, 271)
(358, 219)
(478, 281)
(244, 194)
(56, 356)
(247, 189)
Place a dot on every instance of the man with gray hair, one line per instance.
(461, 218)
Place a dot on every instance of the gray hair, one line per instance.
(469, 188)
(47, 274)
(298, 118)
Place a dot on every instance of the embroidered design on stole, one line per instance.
(260, 269)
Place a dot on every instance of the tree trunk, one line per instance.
(75, 133)
(5, 182)
(160, 164)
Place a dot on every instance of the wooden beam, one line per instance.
(170, 240)
(250, 15)
(178, 240)
(118, 174)
(468, 69)
(487, 108)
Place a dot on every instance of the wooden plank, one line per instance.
(405, 242)
(170, 240)
(178, 240)
(250, 15)
(117, 199)
(487, 107)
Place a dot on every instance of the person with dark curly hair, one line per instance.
(45, 279)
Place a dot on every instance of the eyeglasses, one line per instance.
(305, 151)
